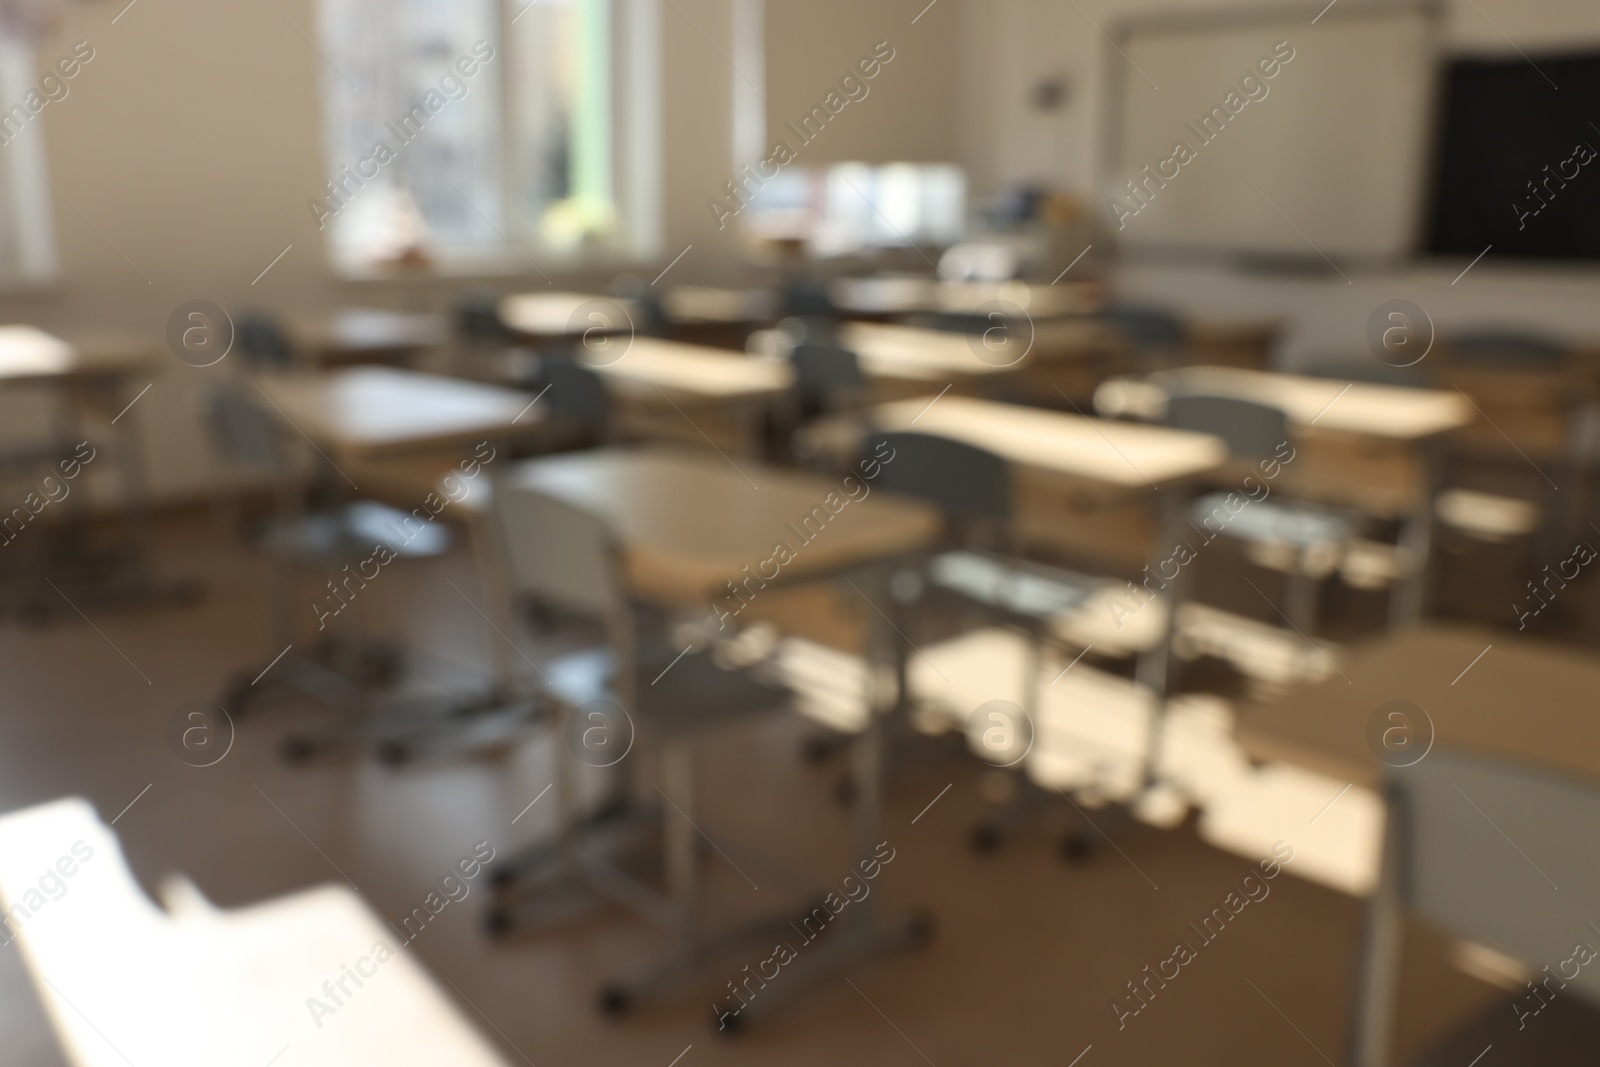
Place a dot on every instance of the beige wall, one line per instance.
(909, 112)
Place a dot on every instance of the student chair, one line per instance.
(480, 337)
(263, 343)
(1253, 432)
(578, 396)
(967, 322)
(649, 313)
(809, 329)
(328, 541)
(1465, 512)
(808, 298)
(828, 381)
(477, 319)
(1508, 348)
(1155, 336)
(826, 376)
(1496, 853)
(124, 980)
(973, 488)
(634, 685)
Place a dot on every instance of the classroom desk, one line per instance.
(893, 296)
(923, 355)
(1382, 411)
(28, 354)
(94, 373)
(1372, 448)
(370, 335)
(687, 524)
(707, 305)
(126, 981)
(1527, 700)
(723, 318)
(549, 315)
(1116, 456)
(376, 412)
(693, 374)
(1082, 485)
(692, 393)
(907, 353)
(916, 357)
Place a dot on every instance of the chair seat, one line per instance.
(1029, 591)
(352, 532)
(1266, 521)
(674, 698)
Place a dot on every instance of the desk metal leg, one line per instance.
(1378, 967)
(1154, 664)
(1154, 667)
(122, 573)
(1409, 599)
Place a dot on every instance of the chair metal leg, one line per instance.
(1301, 604)
(677, 770)
(1408, 601)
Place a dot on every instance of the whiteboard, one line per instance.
(1328, 157)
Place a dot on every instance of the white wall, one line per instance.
(1008, 45)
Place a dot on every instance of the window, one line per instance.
(27, 233)
(486, 134)
(851, 208)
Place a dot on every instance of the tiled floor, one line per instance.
(1029, 956)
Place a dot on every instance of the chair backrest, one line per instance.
(1508, 349)
(813, 329)
(824, 371)
(649, 314)
(577, 392)
(964, 481)
(243, 431)
(1251, 430)
(808, 299)
(1146, 327)
(477, 318)
(1502, 854)
(975, 322)
(263, 343)
(555, 551)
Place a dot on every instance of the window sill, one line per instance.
(494, 267)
